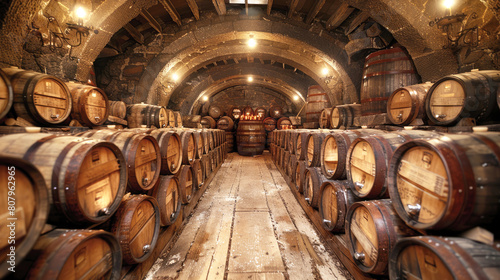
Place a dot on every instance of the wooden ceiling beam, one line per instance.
(136, 35)
(314, 11)
(293, 7)
(170, 8)
(220, 7)
(194, 8)
(357, 21)
(269, 6)
(338, 17)
(152, 21)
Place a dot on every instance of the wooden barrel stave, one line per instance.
(317, 100)
(225, 123)
(136, 225)
(406, 105)
(186, 184)
(250, 138)
(324, 118)
(373, 228)
(336, 198)
(90, 104)
(275, 112)
(146, 114)
(86, 178)
(342, 116)
(230, 141)
(6, 95)
(313, 179)
(169, 143)
(189, 146)
(215, 112)
(198, 176)
(117, 109)
(167, 195)
(169, 118)
(314, 143)
(208, 122)
(300, 173)
(178, 119)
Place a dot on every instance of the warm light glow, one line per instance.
(205, 98)
(250, 79)
(325, 71)
(252, 43)
(448, 3)
(296, 97)
(80, 12)
(175, 77)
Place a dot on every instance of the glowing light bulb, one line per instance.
(205, 98)
(448, 3)
(325, 71)
(296, 97)
(250, 79)
(80, 12)
(175, 77)
(251, 43)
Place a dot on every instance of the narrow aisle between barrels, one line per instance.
(248, 225)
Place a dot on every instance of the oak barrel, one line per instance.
(368, 159)
(178, 119)
(167, 194)
(372, 229)
(384, 71)
(250, 138)
(324, 118)
(86, 178)
(312, 185)
(432, 257)
(189, 146)
(142, 156)
(300, 173)
(169, 143)
(186, 186)
(41, 98)
(269, 124)
(200, 146)
(225, 123)
(206, 164)
(136, 225)
(24, 198)
(90, 104)
(260, 112)
(117, 109)
(208, 122)
(406, 104)
(275, 112)
(335, 199)
(146, 114)
(342, 116)
(234, 112)
(6, 95)
(247, 111)
(230, 141)
(314, 141)
(207, 136)
(170, 118)
(317, 100)
(283, 123)
(465, 95)
(292, 167)
(76, 254)
(215, 112)
(449, 182)
(198, 176)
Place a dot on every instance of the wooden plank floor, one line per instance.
(248, 225)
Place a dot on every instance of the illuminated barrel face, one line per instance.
(422, 263)
(52, 100)
(400, 106)
(362, 166)
(422, 185)
(330, 156)
(335, 118)
(364, 237)
(447, 101)
(146, 168)
(96, 107)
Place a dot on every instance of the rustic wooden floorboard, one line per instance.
(248, 225)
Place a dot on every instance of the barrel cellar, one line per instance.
(256, 139)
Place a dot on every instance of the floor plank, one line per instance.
(255, 276)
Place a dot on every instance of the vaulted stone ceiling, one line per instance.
(171, 52)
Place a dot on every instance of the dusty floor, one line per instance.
(248, 225)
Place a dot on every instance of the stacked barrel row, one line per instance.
(124, 184)
(394, 192)
(45, 100)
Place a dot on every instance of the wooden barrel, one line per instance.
(335, 199)
(269, 124)
(324, 118)
(189, 146)
(448, 183)
(312, 185)
(234, 112)
(372, 229)
(384, 72)
(167, 194)
(248, 111)
(170, 118)
(6, 95)
(207, 136)
(136, 225)
(275, 112)
(186, 186)
(90, 104)
(146, 114)
(117, 109)
(200, 146)
(170, 146)
(25, 191)
(86, 178)
(465, 95)
(215, 112)
(286, 162)
(314, 141)
(301, 147)
(142, 156)
(406, 104)
(76, 254)
(230, 141)
(225, 123)
(198, 176)
(283, 123)
(208, 122)
(178, 119)
(191, 121)
(250, 138)
(206, 164)
(300, 173)
(342, 116)
(292, 167)
(317, 100)
(334, 151)
(368, 159)
(432, 257)
(260, 112)
(40, 98)
(211, 139)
